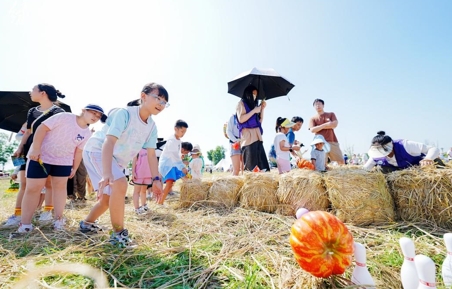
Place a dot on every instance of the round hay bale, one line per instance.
(193, 191)
(224, 192)
(423, 194)
(359, 197)
(259, 192)
(301, 188)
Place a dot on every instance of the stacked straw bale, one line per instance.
(259, 192)
(359, 197)
(224, 191)
(194, 191)
(301, 188)
(423, 194)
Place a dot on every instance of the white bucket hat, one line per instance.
(318, 138)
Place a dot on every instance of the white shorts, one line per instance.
(93, 164)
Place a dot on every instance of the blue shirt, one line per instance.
(291, 137)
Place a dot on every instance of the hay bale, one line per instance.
(194, 191)
(359, 197)
(259, 192)
(224, 192)
(301, 188)
(423, 194)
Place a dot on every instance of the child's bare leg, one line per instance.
(136, 196)
(48, 198)
(20, 194)
(166, 190)
(59, 188)
(99, 208)
(41, 200)
(31, 199)
(143, 195)
(118, 192)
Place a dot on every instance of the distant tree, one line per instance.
(7, 148)
(216, 155)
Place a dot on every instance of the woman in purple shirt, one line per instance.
(393, 155)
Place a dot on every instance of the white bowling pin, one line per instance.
(300, 212)
(447, 264)
(408, 273)
(361, 275)
(426, 271)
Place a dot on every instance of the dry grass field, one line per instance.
(198, 246)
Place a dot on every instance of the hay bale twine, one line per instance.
(259, 192)
(423, 194)
(301, 188)
(359, 197)
(224, 191)
(194, 191)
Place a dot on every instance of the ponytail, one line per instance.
(52, 93)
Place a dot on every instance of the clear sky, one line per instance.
(379, 65)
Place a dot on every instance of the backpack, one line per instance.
(225, 128)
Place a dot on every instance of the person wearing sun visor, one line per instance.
(392, 155)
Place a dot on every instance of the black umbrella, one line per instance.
(14, 106)
(268, 82)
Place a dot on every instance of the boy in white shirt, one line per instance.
(171, 166)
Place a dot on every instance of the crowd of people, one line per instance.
(244, 130)
(55, 145)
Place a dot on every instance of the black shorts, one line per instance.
(36, 171)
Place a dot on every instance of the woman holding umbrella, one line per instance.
(250, 116)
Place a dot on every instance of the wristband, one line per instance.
(156, 179)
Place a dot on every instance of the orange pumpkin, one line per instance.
(305, 164)
(322, 244)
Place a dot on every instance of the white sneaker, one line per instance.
(25, 228)
(140, 211)
(13, 220)
(58, 225)
(122, 240)
(145, 208)
(45, 216)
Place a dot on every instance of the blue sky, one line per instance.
(379, 65)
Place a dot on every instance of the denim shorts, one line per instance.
(235, 152)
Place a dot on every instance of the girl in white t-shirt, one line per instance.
(56, 151)
(282, 146)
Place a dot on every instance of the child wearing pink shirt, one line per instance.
(56, 151)
(141, 178)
